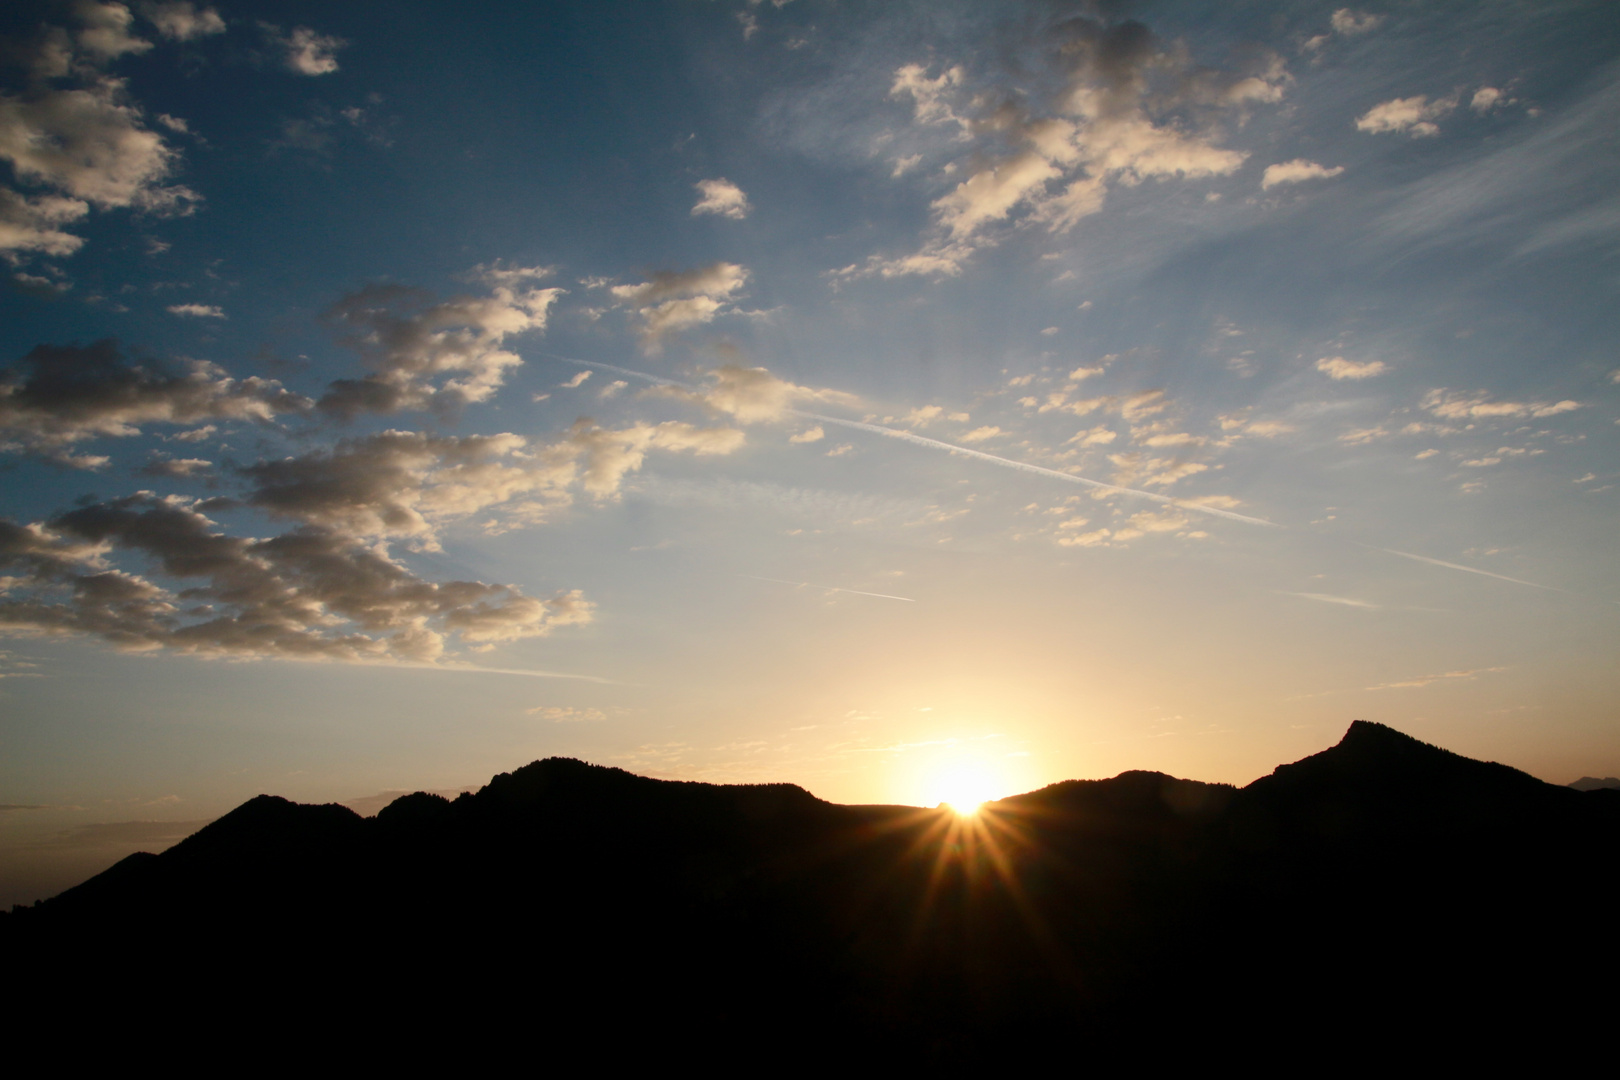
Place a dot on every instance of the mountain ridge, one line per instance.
(1079, 910)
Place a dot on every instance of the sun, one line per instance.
(964, 786)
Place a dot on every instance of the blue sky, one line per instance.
(848, 394)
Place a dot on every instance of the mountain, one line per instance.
(1383, 887)
(1592, 783)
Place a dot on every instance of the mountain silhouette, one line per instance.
(1382, 891)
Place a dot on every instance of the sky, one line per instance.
(889, 398)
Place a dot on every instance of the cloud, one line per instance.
(183, 21)
(304, 51)
(1338, 368)
(175, 468)
(1460, 406)
(676, 300)
(86, 143)
(58, 395)
(1129, 109)
(1327, 599)
(930, 96)
(105, 32)
(607, 455)
(307, 594)
(1426, 680)
(1350, 23)
(563, 714)
(721, 197)
(1296, 171)
(1136, 468)
(1095, 538)
(123, 834)
(1097, 436)
(196, 311)
(809, 435)
(752, 395)
(1414, 116)
(1240, 424)
(29, 224)
(411, 341)
(405, 484)
(980, 434)
(922, 416)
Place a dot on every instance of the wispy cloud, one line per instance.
(1327, 599)
(1426, 680)
(827, 588)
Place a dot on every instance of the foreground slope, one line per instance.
(1380, 878)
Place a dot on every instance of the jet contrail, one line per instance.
(828, 588)
(1024, 466)
(1471, 570)
(473, 669)
(936, 444)
(1038, 470)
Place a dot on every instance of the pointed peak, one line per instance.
(1365, 734)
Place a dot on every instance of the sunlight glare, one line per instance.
(965, 786)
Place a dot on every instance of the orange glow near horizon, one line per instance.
(964, 786)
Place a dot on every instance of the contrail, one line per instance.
(1024, 466)
(828, 588)
(1038, 470)
(936, 444)
(473, 669)
(1472, 570)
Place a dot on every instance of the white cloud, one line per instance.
(1122, 117)
(1425, 680)
(410, 485)
(809, 435)
(105, 35)
(1485, 99)
(751, 395)
(196, 311)
(308, 594)
(410, 342)
(175, 467)
(58, 395)
(721, 197)
(183, 21)
(1095, 538)
(1414, 116)
(29, 224)
(305, 51)
(1460, 406)
(1326, 598)
(85, 143)
(1296, 171)
(676, 300)
(980, 434)
(1097, 436)
(1350, 23)
(1338, 368)
(576, 382)
(563, 714)
(1134, 469)
(922, 416)
(930, 97)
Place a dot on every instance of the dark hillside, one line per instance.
(565, 901)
